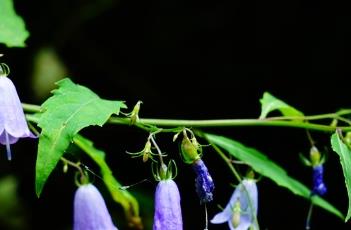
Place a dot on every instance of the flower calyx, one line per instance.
(134, 115)
(164, 172)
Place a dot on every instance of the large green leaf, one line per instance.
(270, 103)
(264, 166)
(123, 197)
(70, 109)
(344, 153)
(12, 28)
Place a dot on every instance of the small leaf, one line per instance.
(261, 164)
(70, 109)
(270, 103)
(121, 196)
(12, 28)
(344, 153)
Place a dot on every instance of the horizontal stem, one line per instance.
(273, 121)
(229, 123)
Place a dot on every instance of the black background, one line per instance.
(192, 60)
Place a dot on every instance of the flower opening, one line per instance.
(13, 124)
(241, 211)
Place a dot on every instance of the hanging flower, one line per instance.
(13, 124)
(318, 186)
(168, 213)
(203, 182)
(191, 152)
(241, 211)
(90, 211)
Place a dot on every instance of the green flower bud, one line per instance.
(315, 156)
(189, 150)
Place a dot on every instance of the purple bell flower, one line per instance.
(13, 124)
(241, 211)
(90, 211)
(319, 187)
(168, 213)
(203, 183)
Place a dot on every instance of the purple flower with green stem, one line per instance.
(90, 211)
(13, 124)
(191, 152)
(241, 211)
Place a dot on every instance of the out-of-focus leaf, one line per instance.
(264, 166)
(122, 196)
(270, 103)
(47, 69)
(344, 153)
(13, 31)
(70, 109)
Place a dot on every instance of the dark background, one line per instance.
(187, 60)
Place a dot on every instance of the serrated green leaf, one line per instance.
(123, 197)
(270, 103)
(344, 153)
(13, 32)
(264, 166)
(70, 109)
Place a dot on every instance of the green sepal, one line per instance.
(188, 150)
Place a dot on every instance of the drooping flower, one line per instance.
(90, 211)
(203, 182)
(318, 186)
(241, 211)
(168, 213)
(13, 124)
(191, 153)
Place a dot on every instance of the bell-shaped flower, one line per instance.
(13, 124)
(241, 211)
(168, 213)
(90, 211)
(203, 182)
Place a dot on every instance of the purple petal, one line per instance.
(227, 212)
(12, 118)
(168, 214)
(203, 183)
(11, 139)
(319, 187)
(246, 192)
(90, 211)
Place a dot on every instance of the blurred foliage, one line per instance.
(12, 28)
(13, 214)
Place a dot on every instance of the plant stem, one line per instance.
(272, 121)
